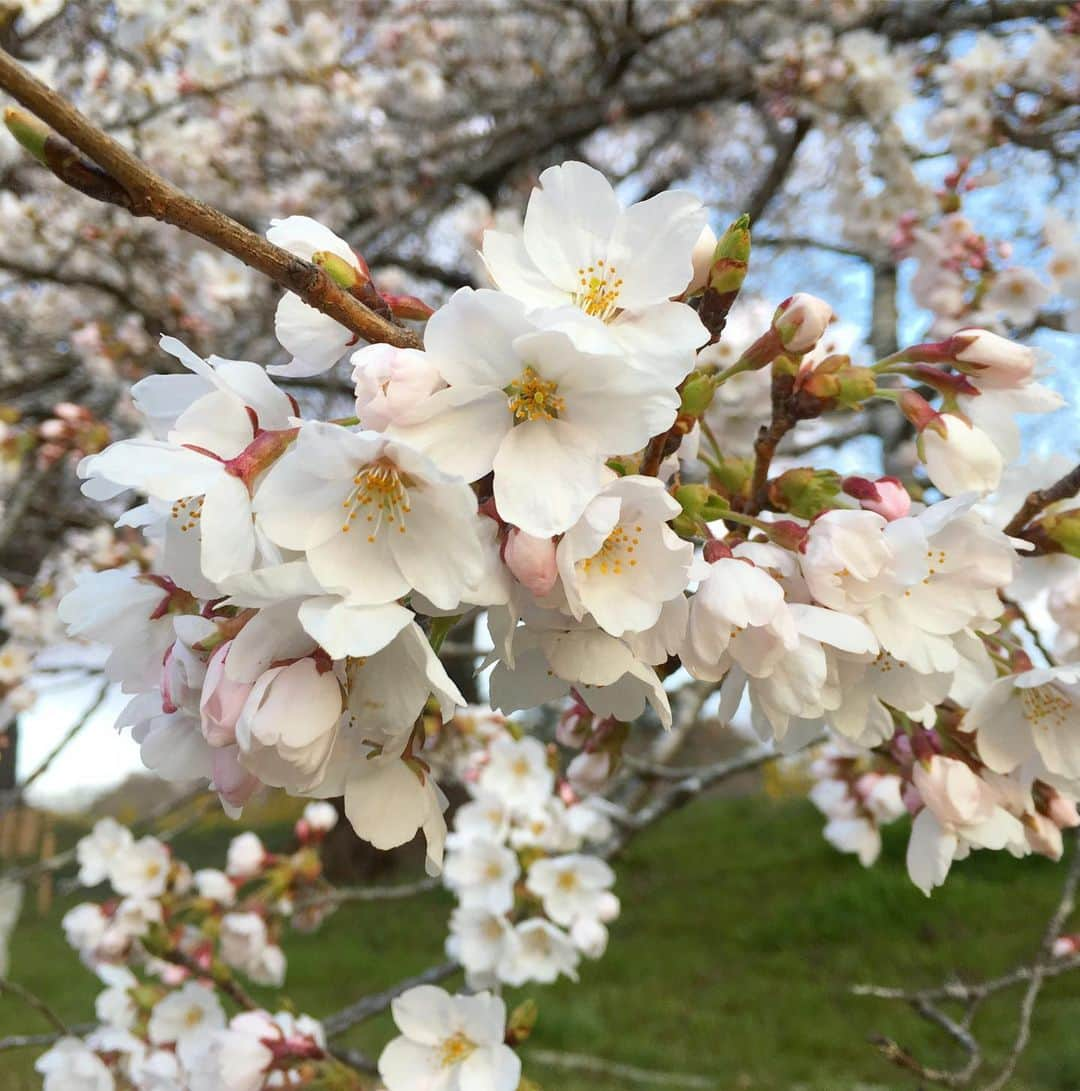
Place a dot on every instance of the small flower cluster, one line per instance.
(169, 945)
(530, 901)
(962, 277)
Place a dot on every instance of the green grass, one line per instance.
(740, 936)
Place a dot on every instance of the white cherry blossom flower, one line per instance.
(315, 340)
(621, 267)
(245, 856)
(106, 843)
(142, 869)
(539, 951)
(208, 465)
(1032, 715)
(449, 1041)
(482, 873)
(375, 518)
(277, 745)
(479, 940)
(389, 382)
(962, 812)
(621, 561)
(72, 1066)
(539, 411)
(571, 887)
(190, 1013)
(960, 457)
(518, 772)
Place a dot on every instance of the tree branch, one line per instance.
(1040, 499)
(144, 193)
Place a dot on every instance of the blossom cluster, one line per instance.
(531, 902)
(525, 464)
(169, 944)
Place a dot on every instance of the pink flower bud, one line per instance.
(886, 496)
(222, 700)
(1043, 836)
(574, 726)
(589, 772)
(1062, 812)
(531, 560)
(801, 320)
(1065, 946)
(389, 382)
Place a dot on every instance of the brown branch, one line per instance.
(144, 193)
(367, 1006)
(1040, 499)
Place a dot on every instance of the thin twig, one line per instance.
(20, 992)
(367, 1006)
(1040, 499)
(580, 1062)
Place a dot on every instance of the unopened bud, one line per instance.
(697, 395)
(342, 273)
(408, 307)
(804, 491)
(730, 261)
(700, 503)
(886, 496)
(28, 131)
(1063, 528)
(532, 561)
(787, 534)
(801, 320)
(521, 1022)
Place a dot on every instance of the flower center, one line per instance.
(617, 551)
(381, 494)
(598, 290)
(531, 397)
(187, 512)
(455, 1049)
(194, 1017)
(567, 880)
(1045, 706)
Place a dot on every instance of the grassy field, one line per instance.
(740, 937)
